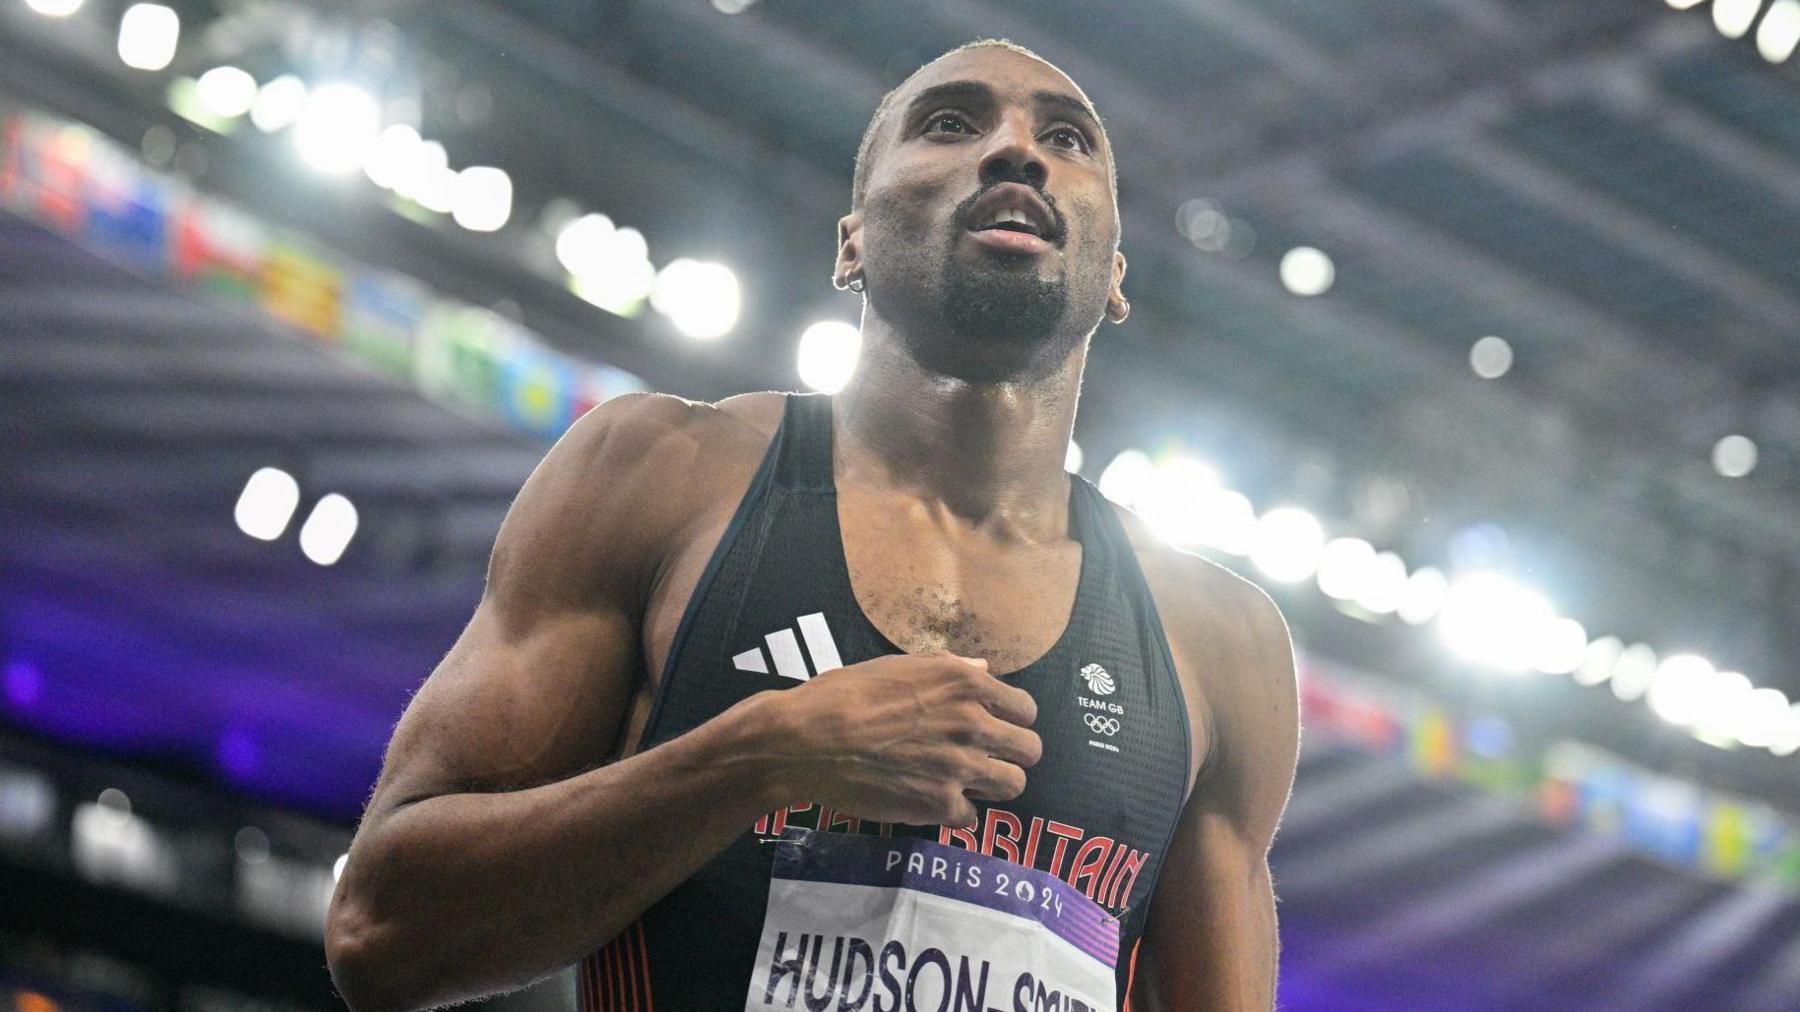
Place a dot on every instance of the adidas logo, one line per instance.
(784, 647)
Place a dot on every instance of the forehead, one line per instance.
(1012, 75)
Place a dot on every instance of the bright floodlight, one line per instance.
(338, 127)
(1288, 542)
(278, 103)
(1680, 687)
(54, 8)
(1598, 660)
(1345, 564)
(1779, 32)
(1491, 357)
(1720, 708)
(1788, 741)
(426, 177)
(1682, 5)
(1227, 521)
(328, 529)
(1633, 671)
(1734, 456)
(147, 36)
(391, 160)
(1307, 271)
(611, 267)
(1072, 457)
(1493, 621)
(583, 241)
(1733, 17)
(1762, 717)
(699, 297)
(828, 353)
(1126, 478)
(267, 503)
(227, 92)
(1170, 499)
(1561, 647)
(1384, 589)
(1424, 595)
(481, 200)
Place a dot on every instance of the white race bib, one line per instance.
(880, 924)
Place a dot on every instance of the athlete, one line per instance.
(859, 701)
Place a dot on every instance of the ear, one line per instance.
(1117, 308)
(849, 251)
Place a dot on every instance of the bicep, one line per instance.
(1211, 941)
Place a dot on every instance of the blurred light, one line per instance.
(1680, 688)
(1763, 717)
(1734, 456)
(27, 803)
(1126, 478)
(1633, 671)
(55, 8)
(393, 156)
(338, 127)
(1779, 32)
(24, 683)
(1561, 647)
(1494, 621)
(114, 800)
(1202, 223)
(1424, 596)
(1489, 737)
(828, 354)
(337, 867)
(1598, 660)
(1344, 566)
(328, 530)
(1491, 357)
(1682, 5)
(267, 503)
(1788, 741)
(425, 178)
(147, 36)
(226, 91)
(1720, 708)
(481, 200)
(1227, 521)
(1288, 542)
(1384, 589)
(1733, 17)
(1072, 457)
(1307, 271)
(1170, 499)
(611, 266)
(732, 6)
(278, 103)
(699, 297)
(252, 845)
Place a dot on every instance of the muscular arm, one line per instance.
(487, 857)
(1210, 942)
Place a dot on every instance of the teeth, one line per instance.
(1009, 216)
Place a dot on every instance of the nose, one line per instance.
(1012, 157)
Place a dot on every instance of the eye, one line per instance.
(1068, 137)
(947, 123)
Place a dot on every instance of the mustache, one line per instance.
(1059, 225)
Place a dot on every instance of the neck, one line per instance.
(991, 454)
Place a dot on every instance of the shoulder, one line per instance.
(610, 498)
(1230, 643)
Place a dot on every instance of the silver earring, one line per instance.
(856, 284)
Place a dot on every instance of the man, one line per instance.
(1028, 759)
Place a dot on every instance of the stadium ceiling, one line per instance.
(1611, 186)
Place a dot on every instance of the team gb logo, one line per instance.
(1099, 682)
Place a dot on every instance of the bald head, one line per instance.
(868, 148)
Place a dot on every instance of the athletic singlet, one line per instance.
(774, 607)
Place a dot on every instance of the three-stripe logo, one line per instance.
(784, 647)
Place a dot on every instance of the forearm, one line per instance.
(468, 894)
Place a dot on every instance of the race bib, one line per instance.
(879, 924)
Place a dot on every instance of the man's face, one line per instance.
(988, 234)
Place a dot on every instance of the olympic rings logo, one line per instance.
(1101, 725)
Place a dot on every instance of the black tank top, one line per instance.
(774, 606)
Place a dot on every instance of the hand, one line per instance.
(909, 738)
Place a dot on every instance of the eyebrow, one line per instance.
(977, 91)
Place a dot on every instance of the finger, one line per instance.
(995, 780)
(1017, 745)
(1009, 702)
